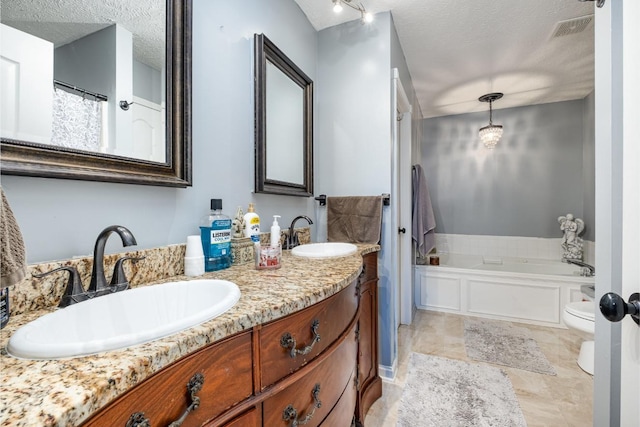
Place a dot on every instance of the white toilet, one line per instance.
(581, 316)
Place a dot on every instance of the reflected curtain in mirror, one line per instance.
(284, 123)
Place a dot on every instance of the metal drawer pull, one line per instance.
(194, 386)
(137, 419)
(287, 341)
(290, 412)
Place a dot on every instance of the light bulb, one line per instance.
(337, 6)
(367, 17)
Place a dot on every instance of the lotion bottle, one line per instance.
(252, 224)
(275, 232)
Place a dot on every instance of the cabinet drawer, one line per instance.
(227, 371)
(369, 267)
(342, 413)
(330, 377)
(332, 316)
(251, 418)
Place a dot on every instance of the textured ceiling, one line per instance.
(61, 22)
(458, 50)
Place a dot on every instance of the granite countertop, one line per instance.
(65, 392)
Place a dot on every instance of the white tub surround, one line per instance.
(508, 246)
(525, 290)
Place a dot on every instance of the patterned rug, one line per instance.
(450, 393)
(501, 343)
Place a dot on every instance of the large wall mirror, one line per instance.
(284, 123)
(96, 90)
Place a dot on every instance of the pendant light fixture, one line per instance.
(491, 134)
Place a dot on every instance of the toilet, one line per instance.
(581, 316)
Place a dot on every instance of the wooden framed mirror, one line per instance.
(283, 123)
(172, 165)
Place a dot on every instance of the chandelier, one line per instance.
(491, 134)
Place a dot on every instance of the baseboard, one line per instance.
(388, 373)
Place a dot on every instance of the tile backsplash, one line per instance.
(508, 246)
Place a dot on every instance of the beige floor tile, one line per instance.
(565, 400)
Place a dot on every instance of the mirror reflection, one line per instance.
(86, 76)
(285, 127)
(284, 123)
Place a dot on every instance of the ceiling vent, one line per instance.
(572, 26)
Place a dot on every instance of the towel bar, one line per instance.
(386, 199)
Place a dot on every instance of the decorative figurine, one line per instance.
(237, 224)
(571, 242)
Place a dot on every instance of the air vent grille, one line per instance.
(572, 26)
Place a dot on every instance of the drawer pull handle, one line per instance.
(193, 386)
(290, 413)
(287, 341)
(137, 419)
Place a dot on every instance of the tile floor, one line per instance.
(553, 401)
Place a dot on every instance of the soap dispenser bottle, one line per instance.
(252, 224)
(215, 233)
(275, 232)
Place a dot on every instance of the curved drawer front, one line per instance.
(310, 399)
(164, 397)
(289, 343)
(342, 413)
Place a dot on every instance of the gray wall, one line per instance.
(353, 133)
(147, 82)
(61, 219)
(534, 175)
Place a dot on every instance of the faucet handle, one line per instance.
(119, 278)
(74, 291)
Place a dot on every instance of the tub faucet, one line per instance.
(98, 283)
(587, 270)
(292, 240)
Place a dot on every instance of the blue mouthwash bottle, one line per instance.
(215, 232)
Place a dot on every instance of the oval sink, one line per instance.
(123, 319)
(324, 250)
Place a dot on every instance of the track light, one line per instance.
(365, 17)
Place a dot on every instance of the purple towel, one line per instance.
(424, 222)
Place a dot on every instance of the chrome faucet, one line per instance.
(98, 284)
(292, 240)
(587, 270)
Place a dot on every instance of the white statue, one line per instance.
(237, 224)
(571, 241)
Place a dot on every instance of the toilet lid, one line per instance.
(582, 309)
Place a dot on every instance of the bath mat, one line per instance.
(501, 343)
(449, 393)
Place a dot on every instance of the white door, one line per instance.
(148, 130)
(617, 362)
(401, 201)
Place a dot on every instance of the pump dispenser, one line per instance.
(252, 224)
(275, 232)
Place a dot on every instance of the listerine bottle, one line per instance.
(215, 232)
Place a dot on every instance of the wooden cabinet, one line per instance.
(318, 366)
(312, 397)
(369, 382)
(226, 369)
(289, 343)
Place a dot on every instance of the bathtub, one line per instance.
(524, 290)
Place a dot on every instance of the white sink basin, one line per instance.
(123, 319)
(324, 250)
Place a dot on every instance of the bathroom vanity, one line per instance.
(300, 347)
